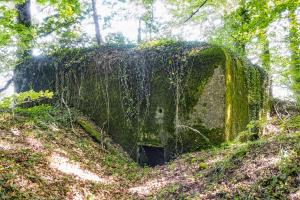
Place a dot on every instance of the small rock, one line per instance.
(15, 131)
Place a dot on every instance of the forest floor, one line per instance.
(42, 157)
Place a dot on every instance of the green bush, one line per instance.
(252, 132)
(24, 97)
(292, 123)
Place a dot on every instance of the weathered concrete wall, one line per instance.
(182, 97)
(210, 106)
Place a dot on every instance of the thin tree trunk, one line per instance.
(265, 57)
(266, 64)
(242, 44)
(295, 52)
(139, 39)
(96, 22)
(24, 18)
(152, 18)
(242, 48)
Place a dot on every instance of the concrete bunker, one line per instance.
(164, 99)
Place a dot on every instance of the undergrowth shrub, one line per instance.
(251, 133)
(291, 123)
(19, 99)
(285, 181)
(30, 104)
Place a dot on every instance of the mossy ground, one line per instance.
(264, 169)
(42, 157)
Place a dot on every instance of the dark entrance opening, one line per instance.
(151, 156)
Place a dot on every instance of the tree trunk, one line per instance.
(139, 39)
(242, 42)
(242, 48)
(265, 56)
(266, 60)
(152, 18)
(295, 52)
(24, 18)
(96, 22)
(266, 64)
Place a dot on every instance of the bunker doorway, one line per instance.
(151, 156)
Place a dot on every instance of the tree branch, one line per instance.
(196, 11)
(6, 85)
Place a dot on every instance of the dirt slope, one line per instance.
(49, 161)
(44, 158)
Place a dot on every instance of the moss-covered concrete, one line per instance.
(181, 96)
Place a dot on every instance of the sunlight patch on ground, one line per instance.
(255, 169)
(218, 189)
(270, 129)
(295, 196)
(53, 128)
(24, 184)
(215, 160)
(66, 166)
(15, 131)
(5, 117)
(150, 186)
(259, 164)
(34, 144)
(6, 146)
(45, 177)
(75, 194)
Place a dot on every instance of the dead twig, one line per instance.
(69, 112)
(194, 130)
(196, 11)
